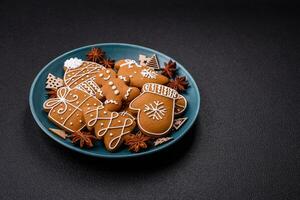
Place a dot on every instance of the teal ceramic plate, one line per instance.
(115, 51)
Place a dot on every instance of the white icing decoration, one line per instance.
(179, 122)
(110, 101)
(148, 73)
(61, 100)
(88, 86)
(129, 63)
(143, 124)
(113, 116)
(125, 113)
(160, 89)
(122, 78)
(107, 78)
(127, 93)
(143, 59)
(117, 92)
(88, 68)
(153, 62)
(73, 63)
(53, 82)
(162, 140)
(100, 92)
(180, 108)
(156, 110)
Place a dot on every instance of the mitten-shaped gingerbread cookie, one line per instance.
(138, 75)
(109, 126)
(66, 110)
(155, 107)
(81, 74)
(114, 89)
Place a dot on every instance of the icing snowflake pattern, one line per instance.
(156, 110)
(147, 73)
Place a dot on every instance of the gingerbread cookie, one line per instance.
(66, 110)
(180, 104)
(149, 61)
(155, 108)
(138, 75)
(153, 62)
(111, 126)
(53, 82)
(143, 59)
(179, 122)
(114, 89)
(81, 74)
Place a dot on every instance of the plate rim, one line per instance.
(84, 151)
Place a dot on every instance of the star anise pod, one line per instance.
(108, 63)
(136, 142)
(52, 93)
(179, 83)
(95, 55)
(83, 138)
(169, 69)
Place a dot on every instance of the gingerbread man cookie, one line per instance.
(138, 75)
(66, 110)
(109, 126)
(155, 108)
(81, 74)
(114, 89)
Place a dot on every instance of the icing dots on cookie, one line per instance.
(115, 90)
(83, 78)
(66, 110)
(109, 126)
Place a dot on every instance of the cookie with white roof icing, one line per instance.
(155, 108)
(138, 75)
(109, 126)
(115, 90)
(66, 110)
(81, 74)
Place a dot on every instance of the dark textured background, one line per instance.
(245, 59)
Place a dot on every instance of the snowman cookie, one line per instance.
(138, 75)
(109, 126)
(115, 90)
(155, 108)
